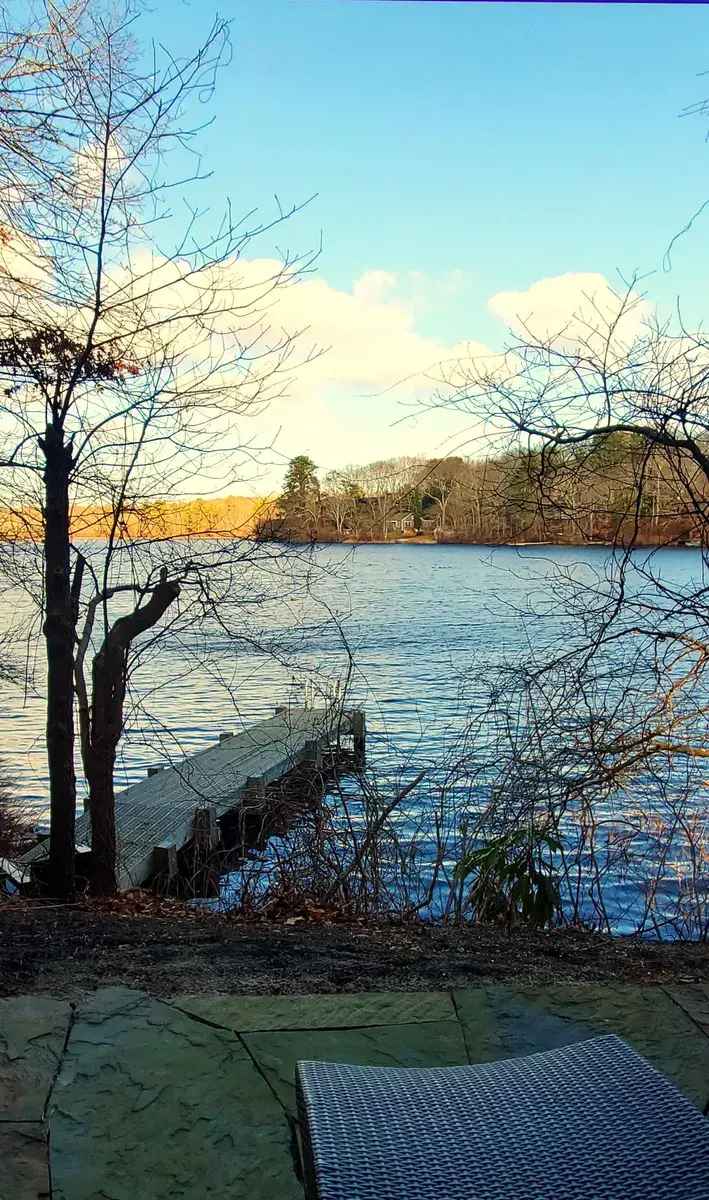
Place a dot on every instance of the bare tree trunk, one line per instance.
(59, 629)
(108, 694)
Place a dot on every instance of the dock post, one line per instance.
(312, 754)
(206, 827)
(252, 810)
(254, 793)
(214, 830)
(359, 736)
(165, 860)
(204, 865)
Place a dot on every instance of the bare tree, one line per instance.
(131, 349)
(442, 480)
(340, 499)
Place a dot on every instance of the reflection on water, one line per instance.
(418, 621)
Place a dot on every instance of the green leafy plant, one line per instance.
(514, 878)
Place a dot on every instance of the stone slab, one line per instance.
(32, 1034)
(24, 1170)
(153, 1101)
(152, 1105)
(249, 1014)
(693, 999)
(508, 1021)
(479, 1021)
(429, 1044)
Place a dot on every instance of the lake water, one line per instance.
(416, 620)
(420, 624)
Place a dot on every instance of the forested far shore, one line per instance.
(613, 488)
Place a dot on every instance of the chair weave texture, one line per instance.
(591, 1121)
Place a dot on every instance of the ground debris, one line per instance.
(168, 947)
(139, 902)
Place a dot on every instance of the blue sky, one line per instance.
(459, 151)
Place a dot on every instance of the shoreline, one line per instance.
(425, 540)
(166, 948)
(429, 541)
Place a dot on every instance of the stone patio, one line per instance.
(125, 1097)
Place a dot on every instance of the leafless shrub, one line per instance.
(15, 824)
(598, 734)
(540, 812)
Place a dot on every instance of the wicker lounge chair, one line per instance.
(591, 1120)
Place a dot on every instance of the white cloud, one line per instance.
(367, 336)
(374, 286)
(96, 165)
(350, 403)
(369, 333)
(357, 402)
(571, 307)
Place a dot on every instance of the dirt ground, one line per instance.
(67, 950)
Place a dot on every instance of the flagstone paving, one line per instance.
(150, 1103)
(125, 1097)
(694, 1000)
(32, 1034)
(252, 1014)
(24, 1169)
(431, 1044)
(507, 1022)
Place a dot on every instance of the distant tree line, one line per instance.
(608, 489)
(221, 516)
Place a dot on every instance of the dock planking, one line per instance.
(156, 815)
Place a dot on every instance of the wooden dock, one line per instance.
(159, 815)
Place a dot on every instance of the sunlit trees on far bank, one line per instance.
(613, 490)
